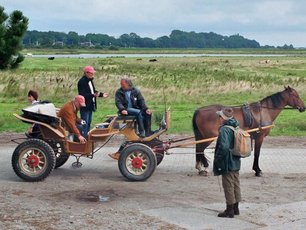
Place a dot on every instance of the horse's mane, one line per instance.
(275, 98)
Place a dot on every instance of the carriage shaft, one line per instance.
(211, 139)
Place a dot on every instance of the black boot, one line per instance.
(147, 125)
(236, 209)
(141, 130)
(228, 212)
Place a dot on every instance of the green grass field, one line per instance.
(183, 83)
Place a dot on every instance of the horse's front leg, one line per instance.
(258, 143)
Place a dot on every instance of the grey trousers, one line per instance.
(231, 187)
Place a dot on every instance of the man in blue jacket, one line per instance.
(87, 89)
(226, 164)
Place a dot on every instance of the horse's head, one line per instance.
(294, 99)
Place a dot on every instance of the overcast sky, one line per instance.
(270, 22)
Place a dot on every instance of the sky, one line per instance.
(270, 22)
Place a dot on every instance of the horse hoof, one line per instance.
(258, 174)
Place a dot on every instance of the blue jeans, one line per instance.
(139, 118)
(82, 129)
(86, 115)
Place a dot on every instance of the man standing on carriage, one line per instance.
(87, 89)
(226, 164)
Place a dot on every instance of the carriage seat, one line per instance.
(102, 125)
(126, 118)
(42, 112)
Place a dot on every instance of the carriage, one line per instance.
(35, 158)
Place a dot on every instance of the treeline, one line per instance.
(177, 39)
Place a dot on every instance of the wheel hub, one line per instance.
(33, 161)
(137, 162)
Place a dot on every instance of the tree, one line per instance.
(12, 30)
(73, 39)
(177, 39)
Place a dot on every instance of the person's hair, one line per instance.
(128, 81)
(34, 94)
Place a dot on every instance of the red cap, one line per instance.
(89, 69)
(81, 100)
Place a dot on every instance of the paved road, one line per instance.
(181, 159)
(186, 214)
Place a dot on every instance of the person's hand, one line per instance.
(96, 94)
(148, 111)
(82, 139)
(105, 95)
(124, 112)
(30, 129)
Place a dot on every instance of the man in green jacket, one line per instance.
(226, 164)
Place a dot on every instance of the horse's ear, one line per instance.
(289, 89)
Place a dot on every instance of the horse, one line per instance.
(206, 122)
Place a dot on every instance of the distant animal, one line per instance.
(152, 60)
(264, 61)
(51, 58)
(206, 122)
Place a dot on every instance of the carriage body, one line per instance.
(27, 156)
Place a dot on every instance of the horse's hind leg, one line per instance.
(201, 160)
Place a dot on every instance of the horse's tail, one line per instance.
(196, 131)
(200, 157)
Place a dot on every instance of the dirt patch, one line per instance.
(272, 200)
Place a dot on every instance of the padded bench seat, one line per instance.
(125, 118)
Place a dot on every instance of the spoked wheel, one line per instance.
(137, 162)
(33, 160)
(61, 159)
(159, 157)
(60, 155)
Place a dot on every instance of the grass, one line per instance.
(185, 84)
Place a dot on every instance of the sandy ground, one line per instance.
(96, 196)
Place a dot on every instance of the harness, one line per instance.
(249, 117)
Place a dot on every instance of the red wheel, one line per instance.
(137, 162)
(33, 160)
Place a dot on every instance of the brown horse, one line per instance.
(206, 122)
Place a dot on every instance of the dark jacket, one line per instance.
(224, 161)
(84, 90)
(137, 100)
